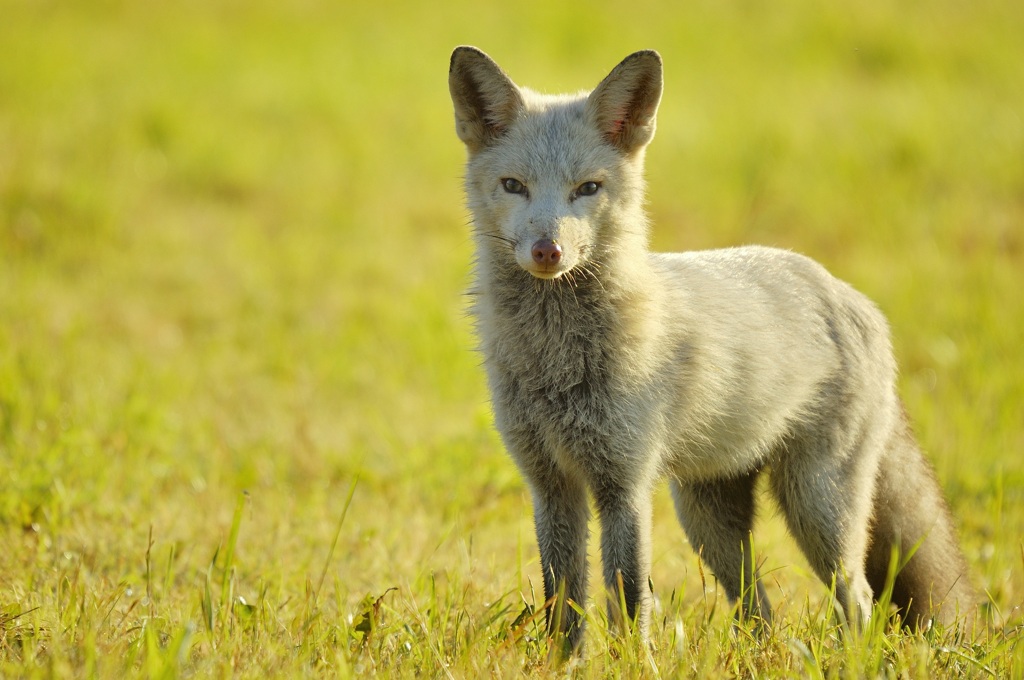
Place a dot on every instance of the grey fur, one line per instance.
(614, 367)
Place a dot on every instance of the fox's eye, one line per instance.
(588, 189)
(513, 186)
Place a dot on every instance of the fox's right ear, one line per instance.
(486, 100)
(624, 105)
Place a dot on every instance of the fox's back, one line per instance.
(775, 342)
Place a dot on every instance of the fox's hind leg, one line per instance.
(825, 492)
(717, 517)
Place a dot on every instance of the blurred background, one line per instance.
(233, 252)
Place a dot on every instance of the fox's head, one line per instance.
(555, 182)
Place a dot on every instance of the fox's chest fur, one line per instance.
(565, 393)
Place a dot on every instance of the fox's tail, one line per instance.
(911, 514)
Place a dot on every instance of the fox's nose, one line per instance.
(546, 251)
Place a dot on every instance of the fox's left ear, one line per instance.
(624, 105)
(486, 100)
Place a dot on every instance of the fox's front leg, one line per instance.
(626, 554)
(560, 514)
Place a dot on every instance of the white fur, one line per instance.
(616, 367)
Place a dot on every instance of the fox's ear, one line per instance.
(486, 100)
(624, 105)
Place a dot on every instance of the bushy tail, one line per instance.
(910, 513)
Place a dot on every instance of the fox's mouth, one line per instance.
(547, 272)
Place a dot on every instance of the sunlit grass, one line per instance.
(233, 251)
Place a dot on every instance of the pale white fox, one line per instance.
(611, 367)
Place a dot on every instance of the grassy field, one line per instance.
(242, 428)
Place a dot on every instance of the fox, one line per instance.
(611, 367)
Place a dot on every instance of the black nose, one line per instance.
(546, 251)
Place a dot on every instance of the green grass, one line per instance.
(232, 254)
